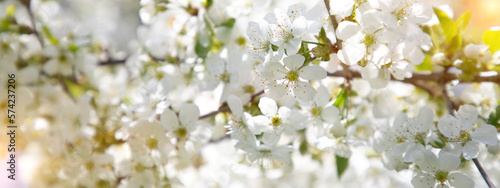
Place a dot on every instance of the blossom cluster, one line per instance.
(266, 93)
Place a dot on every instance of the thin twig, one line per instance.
(27, 4)
(434, 77)
(224, 107)
(483, 173)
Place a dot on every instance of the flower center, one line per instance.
(441, 176)
(275, 121)
(181, 132)
(369, 40)
(152, 143)
(420, 138)
(316, 111)
(400, 139)
(464, 136)
(292, 76)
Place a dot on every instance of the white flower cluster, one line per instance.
(413, 140)
(241, 93)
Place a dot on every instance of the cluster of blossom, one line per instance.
(200, 72)
(412, 140)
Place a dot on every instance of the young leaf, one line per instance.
(492, 39)
(494, 118)
(447, 24)
(341, 164)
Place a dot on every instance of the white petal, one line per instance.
(276, 69)
(284, 113)
(379, 54)
(370, 71)
(459, 180)
(299, 26)
(425, 119)
(427, 161)
(347, 29)
(410, 154)
(322, 97)
(486, 134)
(271, 137)
(214, 63)
(312, 72)
(448, 125)
(276, 91)
(448, 161)
(293, 46)
(343, 8)
(268, 106)
(304, 91)
(282, 19)
(294, 62)
(422, 180)
(467, 114)
(439, 185)
(414, 53)
(470, 150)
(169, 120)
(330, 114)
(189, 114)
(382, 79)
(260, 123)
(324, 143)
(295, 11)
(235, 105)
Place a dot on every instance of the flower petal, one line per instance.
(268, 106)
(260, 123)
(299, 26)
(347, 29)
(425, 120)
(330, 114)
(322, 97)
(448, 161)
(448, 125)
(293, 46)
(427, 161)
(470, 150)
(214, 63)
(169, 120)
(459, 180)
(486, 134)
(467, 114)
(423, 180)
(189, 114)
(313, 72)
(304, 91)
(294, 62)
(235, 105)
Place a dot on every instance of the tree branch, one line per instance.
(27, 4)
(483, 173)
(224, 107)
(434, 77)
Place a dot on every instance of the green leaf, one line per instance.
(51, 37)
(463, 22)
(426, 65)
(207, 4)
(200, 49)
(77, 89)
(455, 44)
(341, 164)
(492, 39)
(494, 118)
(229, 23)
(339, 102)
(447, 24)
